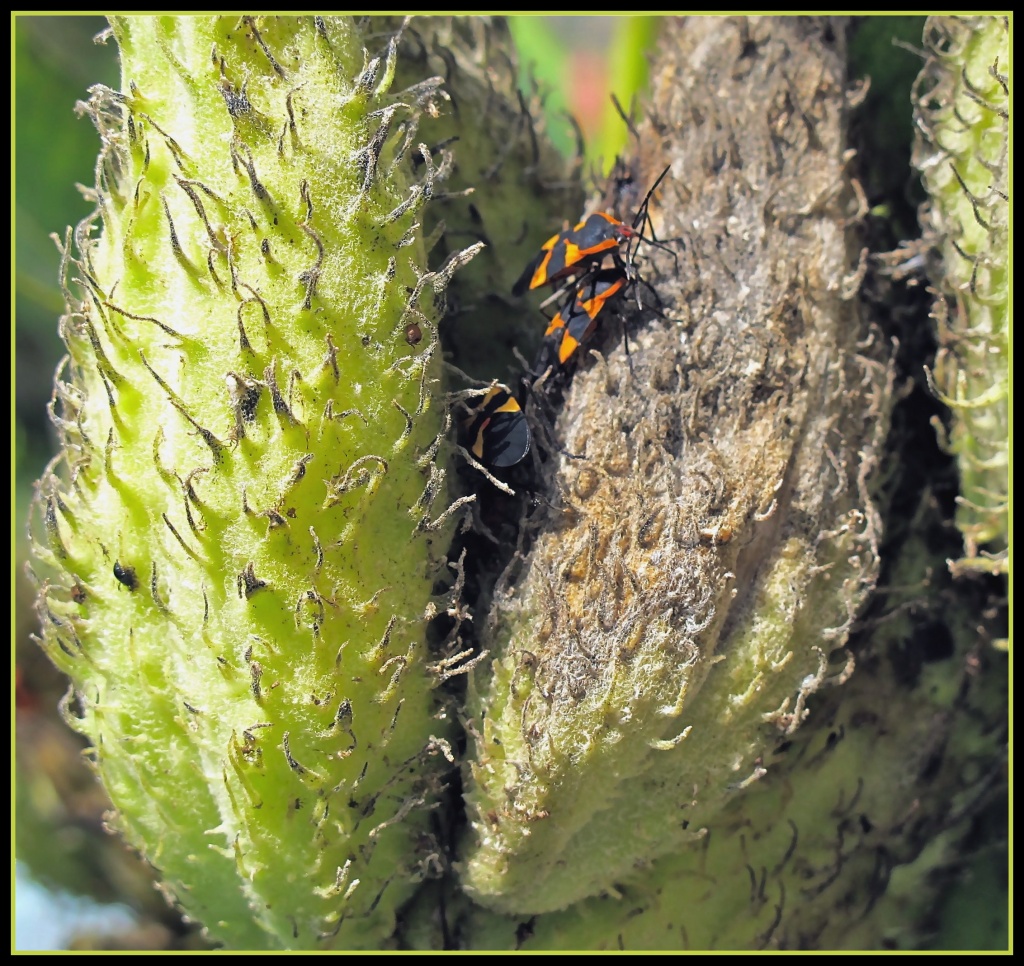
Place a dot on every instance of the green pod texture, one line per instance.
(704, 680)
(962, 114)
(239, 543)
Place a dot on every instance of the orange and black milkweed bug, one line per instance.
(579, 248)
(496, 429)
(577, 318)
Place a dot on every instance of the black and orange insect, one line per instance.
(577, 318)
(582, 247)
(496, 430)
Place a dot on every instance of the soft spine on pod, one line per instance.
(847, 825)
(238, 542)
(710, 535)
(962, 111)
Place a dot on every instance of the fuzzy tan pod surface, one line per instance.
(238, 543)
(711, 532)
(963, 115)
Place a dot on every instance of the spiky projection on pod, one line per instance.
(507, 184)
(713, 535)
(962, 112)
(758, 827)
(245, 536)
(864, 817)
(238, 544)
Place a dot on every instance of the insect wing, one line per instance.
(536, 271)
(578, 327)
(498, 431)
(591, 239)
(594, 295)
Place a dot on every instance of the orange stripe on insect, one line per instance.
(497, 428)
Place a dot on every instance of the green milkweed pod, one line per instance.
(238, 544)
(962, 136)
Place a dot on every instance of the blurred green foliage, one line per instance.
(623, 44)
(542, 60)
(632, 42)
